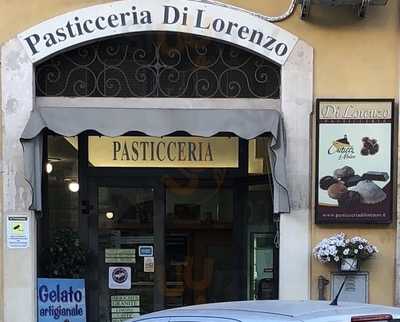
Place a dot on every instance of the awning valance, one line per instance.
(70, 121)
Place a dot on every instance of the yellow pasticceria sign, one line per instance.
(166, 152)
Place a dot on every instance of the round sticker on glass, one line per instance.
(119, 277)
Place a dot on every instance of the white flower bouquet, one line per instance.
(336, 248)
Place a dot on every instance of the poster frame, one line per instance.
(368, 221)
(65, 282)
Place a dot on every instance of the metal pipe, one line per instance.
(322, 283)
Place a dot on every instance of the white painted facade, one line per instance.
(18, 97)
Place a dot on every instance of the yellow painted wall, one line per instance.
(380, 268)
(353, 58)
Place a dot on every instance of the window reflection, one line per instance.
(258, 156)
(199, 245)
(58, 228)
(125, 224)
(62, 202)
(261, 244)
(199, 206)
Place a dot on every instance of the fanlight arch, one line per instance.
(159, 64)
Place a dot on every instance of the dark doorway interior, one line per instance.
(211, 231)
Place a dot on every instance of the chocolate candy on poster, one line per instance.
(364, 151)
(370, 192)
(376, 176)
(326, 182)
(375, 149)
(370, 146)
(352, 181)
(351, 199)
(344, 172)
(337, 191)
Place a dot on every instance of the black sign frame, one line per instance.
(363, 218)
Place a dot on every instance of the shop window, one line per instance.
(59, 224)
(200, 248)
(187, 235)
(125, 224)
(62, 181)
(262, 242)
(258, 156)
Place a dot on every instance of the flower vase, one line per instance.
(349, 265)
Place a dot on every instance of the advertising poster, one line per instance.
(61, 300)
(354, 161)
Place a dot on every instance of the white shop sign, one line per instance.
(209, 19)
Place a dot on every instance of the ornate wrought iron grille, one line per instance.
(159, 65)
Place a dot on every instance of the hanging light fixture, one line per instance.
(109, 215)
(73, 186)
(49, 167)
(50, 164)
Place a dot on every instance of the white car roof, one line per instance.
(249, 311)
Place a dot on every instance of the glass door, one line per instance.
(154, 245)
(262, 244)
(126, 244)
(200, 245)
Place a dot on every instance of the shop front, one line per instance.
(187, 235)
(166, 149)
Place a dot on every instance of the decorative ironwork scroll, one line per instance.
(159, 65)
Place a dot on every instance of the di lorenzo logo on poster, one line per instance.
(61, 300)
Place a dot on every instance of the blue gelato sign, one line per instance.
(61, 300)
